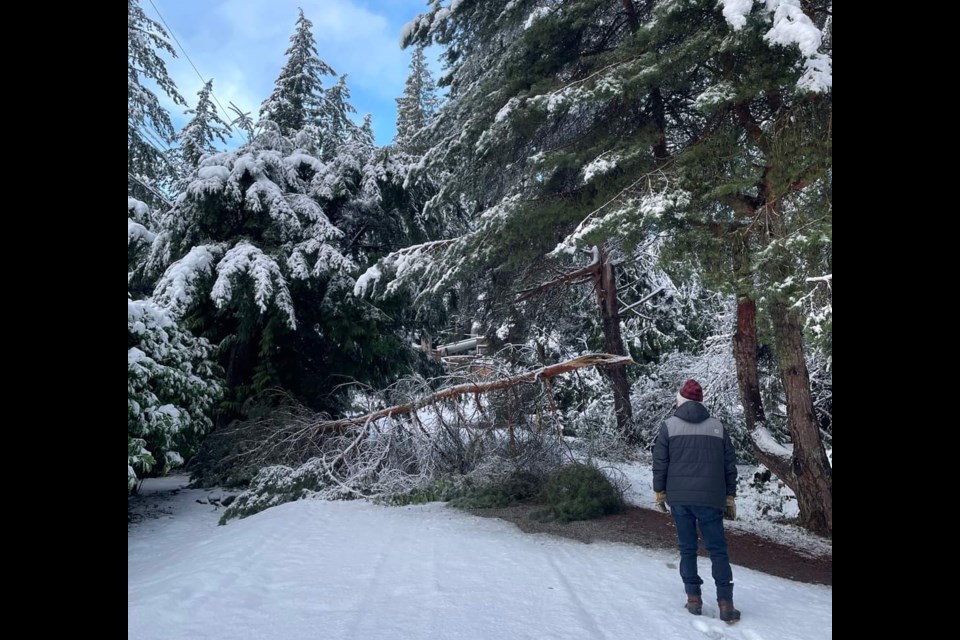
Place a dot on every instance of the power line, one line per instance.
(184, 51)
(149, 188)
(153, 136)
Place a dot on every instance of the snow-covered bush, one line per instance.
(171, 389)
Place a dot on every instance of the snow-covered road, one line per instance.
(353, 570)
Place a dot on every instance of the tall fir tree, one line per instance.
(297, 95)
(203, 130)
(149, 128)
(254, 255)
(418, 105)
(333, 118)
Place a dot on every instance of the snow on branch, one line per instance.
(177, 287)
(766, 443)
(791, 26)
(654, 202)
(137, 233)
(268, 281)
(402, 262)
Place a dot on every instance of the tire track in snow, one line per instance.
(582, 613)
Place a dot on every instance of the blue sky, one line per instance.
(240, 44)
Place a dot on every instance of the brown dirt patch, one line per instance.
(649, 528)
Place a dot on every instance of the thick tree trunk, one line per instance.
(745, 353)
(241, 357)
(811, 469)
(613, 342)
(745, 349)
(632, 18)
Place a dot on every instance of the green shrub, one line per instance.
(517, 487)
(580, 492)
(441, 490)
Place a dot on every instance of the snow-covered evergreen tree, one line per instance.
(139, 240)
(419, 103)
(333, 118)
(149, 129)
(248, 243)
(297, 95)
(203, 130)
(254, 256)
(172, 386)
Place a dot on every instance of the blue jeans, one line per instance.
(711, 526)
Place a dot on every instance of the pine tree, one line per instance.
(253, 257)
(149, 129)
(297, 94)
(249, 255)
(418, 105)
(206, 126)
(333, 119)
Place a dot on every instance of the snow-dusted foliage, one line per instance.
(245, 262)
(418, 105)
(149, 129)
(139, 236)
(199, 135)
(789, 26)
(172, 386)
(268, 193)
(140, 240)
(178, 287)
(297, 94)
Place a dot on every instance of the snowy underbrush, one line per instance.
(442, 452)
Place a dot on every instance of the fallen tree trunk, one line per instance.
(543, 373)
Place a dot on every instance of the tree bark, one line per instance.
(745, 353)
(811, 469)
(745, 349)
(606, 285)
(632, 18)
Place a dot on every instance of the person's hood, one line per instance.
(692, 411)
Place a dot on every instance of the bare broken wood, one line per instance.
(584, 273)
(535, 375)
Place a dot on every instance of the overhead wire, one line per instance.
(185, 55)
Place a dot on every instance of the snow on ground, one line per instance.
(354, 570)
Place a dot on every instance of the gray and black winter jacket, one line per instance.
(693, 459)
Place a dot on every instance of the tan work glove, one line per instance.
(730, 511)
(662, 501)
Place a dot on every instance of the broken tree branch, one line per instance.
(535, 375)
(642, 300)
(588, 270)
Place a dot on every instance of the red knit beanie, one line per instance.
(691, 390)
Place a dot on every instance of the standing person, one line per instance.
(694, 470)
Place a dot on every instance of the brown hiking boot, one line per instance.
(694, 605)
(728, 613)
